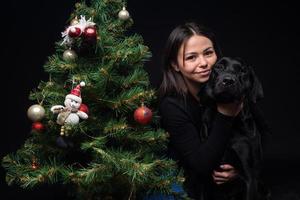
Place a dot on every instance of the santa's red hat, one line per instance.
(76, 92)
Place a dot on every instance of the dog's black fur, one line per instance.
(232, 80)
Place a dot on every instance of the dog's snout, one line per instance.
(228, 81)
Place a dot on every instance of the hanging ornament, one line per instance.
(70, 113)
(74, 32)
(143, 115)
(123, 14)
(69, 55)
(38, 126)
(74, 21)
(36, 112)
(34, 163)
(84, 108)
(90, 33)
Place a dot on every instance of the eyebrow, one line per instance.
(193, 53)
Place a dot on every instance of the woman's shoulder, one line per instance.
(173, 110)
(171, 100)
(177, 104)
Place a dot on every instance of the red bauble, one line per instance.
(143, 115)
(74, 32)
(34, 165)
(38, 126)
(90, 33)
(84, 108)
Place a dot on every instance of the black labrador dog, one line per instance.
(232, 80)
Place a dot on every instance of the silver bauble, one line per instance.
(70, 55)
(36, 112)
(123, 14)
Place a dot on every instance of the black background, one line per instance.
(264, 34)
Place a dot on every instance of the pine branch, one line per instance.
(56, 65)
(138, 77)
(114, 126)
(127, 100)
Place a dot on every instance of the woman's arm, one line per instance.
(184, 137)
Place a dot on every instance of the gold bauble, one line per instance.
(70, 55)
(74, 21)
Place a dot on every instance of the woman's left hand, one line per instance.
(228, 173)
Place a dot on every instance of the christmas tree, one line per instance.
(95, 128)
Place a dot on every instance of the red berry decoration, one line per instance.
(74, 32)
(84, 108)
(90, 33)
(143, 115)
(38, 126)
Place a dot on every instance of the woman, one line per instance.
(190, 54)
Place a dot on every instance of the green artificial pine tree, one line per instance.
(93, 131)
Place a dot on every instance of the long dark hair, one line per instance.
(172, 81)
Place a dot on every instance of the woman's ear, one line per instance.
(175, 66)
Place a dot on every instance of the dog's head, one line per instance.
(231, 79)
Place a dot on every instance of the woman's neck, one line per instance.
(193, 89)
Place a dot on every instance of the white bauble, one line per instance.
(36, 112)
(123, 14)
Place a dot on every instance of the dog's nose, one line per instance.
(228, 81)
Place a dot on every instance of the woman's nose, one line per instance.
(202, 62)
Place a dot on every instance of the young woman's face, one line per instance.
(195, 59)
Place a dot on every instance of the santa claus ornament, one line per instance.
(70, 113)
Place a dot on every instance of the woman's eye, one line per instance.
(208, 53)
(190, 57)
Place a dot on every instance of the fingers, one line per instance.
(228, 173)
(226, 167)
(224, 176)
(219, 180)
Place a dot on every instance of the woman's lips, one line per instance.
(204, 73)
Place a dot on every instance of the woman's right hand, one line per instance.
(230, 109)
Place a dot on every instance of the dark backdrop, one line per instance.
(264, 34)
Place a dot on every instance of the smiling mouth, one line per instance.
(204, 73)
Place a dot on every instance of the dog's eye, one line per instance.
(243, 69)
(239, 68)
(219, 67)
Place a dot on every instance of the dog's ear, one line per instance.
(206, 93)
(256, 91)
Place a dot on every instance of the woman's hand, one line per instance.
(228, 173)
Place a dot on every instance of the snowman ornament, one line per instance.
(70, 113)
